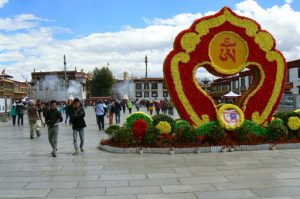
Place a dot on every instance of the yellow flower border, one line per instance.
(189, 42)
(294, 123)
(164, 127)
(221, 119)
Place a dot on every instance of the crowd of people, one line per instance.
(50, 114)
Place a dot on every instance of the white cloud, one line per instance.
(125, 50)
(3, 2)
(23, 21)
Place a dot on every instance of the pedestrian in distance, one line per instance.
(53, 117)
(129, 105)
(118, 111)
(124, 106)
(137, 105)
(78, 124)
(33, 117)
(112, 111)
(13, 114)
(100, 114)
(20, 113)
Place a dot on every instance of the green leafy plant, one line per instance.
(276, 132)
(152, 135)
(213, 132)
(135, 116)
(123, 135)
(161, 117)
(253, 128)
(111, 131)
(205, 128)
(186, 134)
(179, 124)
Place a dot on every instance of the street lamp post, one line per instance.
(146, 74)
(205, 82)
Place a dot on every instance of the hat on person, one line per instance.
(76, 100)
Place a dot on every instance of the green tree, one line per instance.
(102, 82)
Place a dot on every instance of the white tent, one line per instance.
(231, 95)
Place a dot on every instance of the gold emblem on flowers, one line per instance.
(228, 53)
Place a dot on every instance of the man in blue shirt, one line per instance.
(100, 113)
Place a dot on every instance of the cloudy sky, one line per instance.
(37, 33)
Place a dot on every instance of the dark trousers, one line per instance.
(100, 121)
(14, 119)
(118, 117)
(129, 109)
(124, 109)
(20, 119)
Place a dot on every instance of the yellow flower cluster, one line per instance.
(164, 127)
(294, 123)
(222, 120)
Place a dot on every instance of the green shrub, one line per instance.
(152, 135)
(212, 130)
(276, 131)
(123, 135)
(186, 134)
(161, 117)
(242, 133)
(277, 121)
(179, 124)
(253, 128)
(135, 116)
(205, 128)
(111, 131)
(281, 114)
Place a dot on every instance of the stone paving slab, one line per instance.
(28, 171)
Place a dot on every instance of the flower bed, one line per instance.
(162, 131)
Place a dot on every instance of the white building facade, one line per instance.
(58, 85)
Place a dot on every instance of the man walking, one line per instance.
(118, 111)
(112, 111)
(129, 105)
(53, 117)
(33, 117)
(78, 124)
(100, 113)
(20, 113)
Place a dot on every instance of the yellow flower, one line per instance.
(228, 120)
(294, 123)
(164, 127)
(297, 111)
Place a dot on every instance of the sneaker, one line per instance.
(53, 155)
(31, 137)
(76, 153)
(38, 134)
(81, 149)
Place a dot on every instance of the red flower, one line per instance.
(139, 128)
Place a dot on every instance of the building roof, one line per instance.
(294, 64)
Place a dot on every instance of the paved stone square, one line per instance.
(27, 170)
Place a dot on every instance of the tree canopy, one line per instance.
(102, 82)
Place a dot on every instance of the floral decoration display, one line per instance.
(225, 44)
(164, 127)
(139, 128)
(138, 115)
(230, 116)
(294, 123)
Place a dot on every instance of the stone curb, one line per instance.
(210, 149)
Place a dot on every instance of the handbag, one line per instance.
(38, 125)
